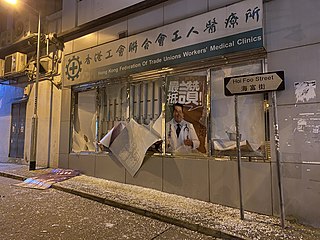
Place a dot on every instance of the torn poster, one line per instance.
(156, 126)
(108, 139)
(131, 145)
(305, 91)
(46, 180)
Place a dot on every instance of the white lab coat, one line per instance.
(176, 144)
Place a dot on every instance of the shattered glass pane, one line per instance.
(84, 127)
(250, 111)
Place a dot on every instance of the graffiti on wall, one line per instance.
(308, 123)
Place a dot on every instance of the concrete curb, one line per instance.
(157, 216)
(134, 209)
(13, 176)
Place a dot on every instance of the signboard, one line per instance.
(235, 28)
(255, 83)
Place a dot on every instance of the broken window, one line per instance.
(146, 100)
(113, 106)
(251, 112)
(97, 110)
(84, 121)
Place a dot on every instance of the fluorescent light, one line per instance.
(11, 1)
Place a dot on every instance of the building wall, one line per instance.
(49, 102)
(8, 94)
(293, 45)
(76, 12)
(291, 41)
(175, 175)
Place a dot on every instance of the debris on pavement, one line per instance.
(208, 218)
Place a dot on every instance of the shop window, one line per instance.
(251, 114)
(84, 121)
(146, 100)
(113, 106)
(141, 101)
(98, 110)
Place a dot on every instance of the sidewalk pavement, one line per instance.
(207, 218)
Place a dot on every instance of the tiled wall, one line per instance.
(200, 178)
(159, 15)
(293, 45)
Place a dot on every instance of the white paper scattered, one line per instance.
(305, 91)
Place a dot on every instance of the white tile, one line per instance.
(68, 47)
(307, 58)
(63, 161)
(224, 188)
(145, 20)
(109, 168)
(64, 137)
(83, 162)
(112, 33)
(68, 15)
(290, 23)
(149, 175)
(87, 41)
(187, 8)
(299, 142)
(187, 177)
(215, 4)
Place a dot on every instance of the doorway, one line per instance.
(17, 131)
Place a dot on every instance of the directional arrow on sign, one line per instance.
(255, 83)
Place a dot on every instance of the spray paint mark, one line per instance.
(305, 91)
(302, 123)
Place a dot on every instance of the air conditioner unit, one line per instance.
(14, 63)
(1, 67)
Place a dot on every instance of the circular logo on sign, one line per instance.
(73, 68)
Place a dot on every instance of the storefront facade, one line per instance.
(143, 75)
(161, 57)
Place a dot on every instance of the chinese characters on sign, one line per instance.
(209, 27)
(237, 27)
(254, 83)
(185, 92)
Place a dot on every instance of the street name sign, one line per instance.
(254, 83)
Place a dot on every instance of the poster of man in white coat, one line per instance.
(181, 135)
(185, 115)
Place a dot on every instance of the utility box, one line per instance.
(15, 63)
